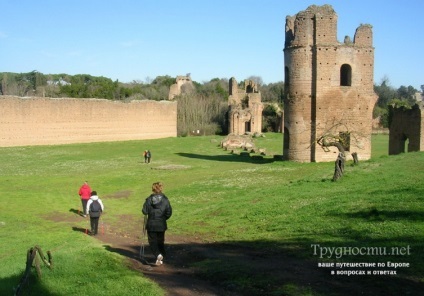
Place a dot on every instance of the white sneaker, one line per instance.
(159, 260)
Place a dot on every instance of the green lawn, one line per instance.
(280, 205)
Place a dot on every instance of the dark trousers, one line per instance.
(84, 206)
(156, 242)
(94, 223)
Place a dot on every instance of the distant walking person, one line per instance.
(85, 193)
(145, 156)
(148, 156)
(95, 208)
(158, 210)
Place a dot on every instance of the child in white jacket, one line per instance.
(94, 209)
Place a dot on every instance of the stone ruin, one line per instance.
(407, 125)
(237, 143)
(245, 108)
(182, 84)
(329, 86)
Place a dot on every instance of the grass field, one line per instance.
(219, 196)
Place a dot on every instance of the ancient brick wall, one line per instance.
(328, 85)
(48, 121)
(406, 125)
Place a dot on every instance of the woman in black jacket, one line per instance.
(158, 209)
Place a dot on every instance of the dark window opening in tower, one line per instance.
(345, 75)
(286, 77)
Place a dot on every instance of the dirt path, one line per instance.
(175, 276)
(268, 271)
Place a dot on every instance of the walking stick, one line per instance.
(143, 237)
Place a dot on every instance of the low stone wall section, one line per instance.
(49, 121)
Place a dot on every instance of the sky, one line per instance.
(129, 40)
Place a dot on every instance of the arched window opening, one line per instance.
(345, 75)
(404, 144)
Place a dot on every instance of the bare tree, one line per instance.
(332, 137)
(327, 141)
(257, 79)
(198, 113)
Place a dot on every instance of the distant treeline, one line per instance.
(86, 86)
(81, 86)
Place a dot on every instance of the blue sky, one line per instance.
(139, 40)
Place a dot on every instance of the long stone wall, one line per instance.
(49, 121)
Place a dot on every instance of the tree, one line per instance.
(335, 141)
(273, 92)
(163, 80)
(386, 94)
(215, 86)
(407, 94)
(4, 83)
(331, 136)
(197, 112)
(271, 118)
(257, 79)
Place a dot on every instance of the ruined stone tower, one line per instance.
(182, 84)
(245, 108)
(407, 126)
(328, 86)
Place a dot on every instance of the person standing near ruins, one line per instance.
(85, 193)
(158, 210)
(148, 156)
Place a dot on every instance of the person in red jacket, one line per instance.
(85, 194)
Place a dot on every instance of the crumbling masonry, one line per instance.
(182, 84)
(407, 125)
(328, 86)
(245, 108)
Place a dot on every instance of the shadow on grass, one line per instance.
(132, 252)
(274, 268)
(80, 229)
(33, 285)
(373, 214)
(243, 157)
(77, 212)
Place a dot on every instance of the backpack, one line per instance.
(95, 209)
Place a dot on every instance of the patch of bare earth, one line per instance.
(266, 270)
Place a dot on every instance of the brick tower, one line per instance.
(329, 86)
